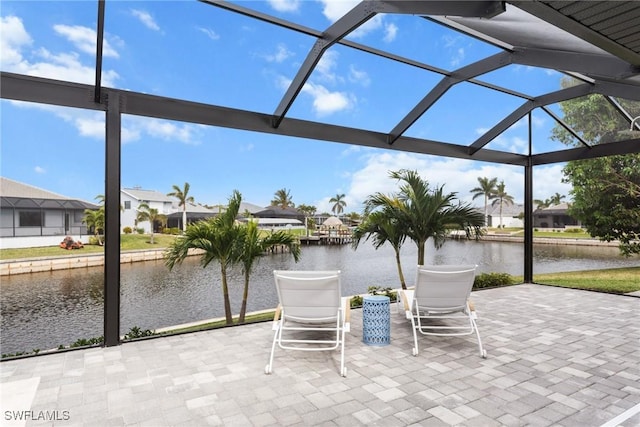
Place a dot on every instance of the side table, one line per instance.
(376, 320)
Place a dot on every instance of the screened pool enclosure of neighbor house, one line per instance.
(595, 43)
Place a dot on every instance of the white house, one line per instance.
(512, 215)
(132, 198)
(33, 217)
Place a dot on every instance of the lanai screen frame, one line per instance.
(115, 103)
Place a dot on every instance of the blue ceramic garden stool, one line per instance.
(376, 320)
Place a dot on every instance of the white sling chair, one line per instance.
(439, 304)
(312, 315)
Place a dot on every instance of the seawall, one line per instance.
(36, 265)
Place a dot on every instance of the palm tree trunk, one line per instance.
(245, 297)
(184, 219)
(486, 216)
(399, 265)
(225, 295)
(421, 246)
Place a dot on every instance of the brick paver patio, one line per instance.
(557, 357)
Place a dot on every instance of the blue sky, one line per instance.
(191, 50)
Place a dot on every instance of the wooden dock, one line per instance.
(332, 238)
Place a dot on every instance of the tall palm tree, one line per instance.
(427, 213)
(501, 197)
(338, 204)
(183, 199)
(282, 198)
(486, 189)
(383, 226)
(146, 213)
(253, 246)
(218, 238)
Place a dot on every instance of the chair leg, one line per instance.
(269, 368)
(414, 351)
(343, 369)
(483, 352)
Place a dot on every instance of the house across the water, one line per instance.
(33, 217)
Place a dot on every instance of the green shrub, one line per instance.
(127, 230)
(492, 280)
(356, 301)
(140, 230)
(136, 332)
(573, 230)
(173, 231)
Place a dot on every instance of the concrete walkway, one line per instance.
(557, 357)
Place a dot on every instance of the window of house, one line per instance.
(127, 204)
(31, 219)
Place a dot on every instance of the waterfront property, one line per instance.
(31, 216)
(555, 357)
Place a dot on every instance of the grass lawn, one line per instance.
(128, 242)
(616, 280)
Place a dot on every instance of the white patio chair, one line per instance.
(439, 304)
(312, 314)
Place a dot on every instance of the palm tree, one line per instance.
(146, 213)
(183, 199)
(542, 204)
(556, 199)
(94, 218)
(218, 238)
(253, 246)
(223, 239)
(338, 204)
(426, 213)
(501, 197)
(486, 189)
(382, 226)
(282, 198)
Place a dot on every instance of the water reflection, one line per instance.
(43, 310)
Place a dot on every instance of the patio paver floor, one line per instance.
(556, 357)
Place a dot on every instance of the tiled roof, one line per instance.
(150, 195)
(11, 188)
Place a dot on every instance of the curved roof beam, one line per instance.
(462, 74)
(550, 98)
(360, 14)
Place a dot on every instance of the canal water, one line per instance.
(44, 310)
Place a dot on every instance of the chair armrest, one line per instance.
(276, 317)
(346, 301)
(407, 296)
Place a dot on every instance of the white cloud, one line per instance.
(280, 55)
(457, 57)
(84, 39)
(326, 66)
(210, 33)
(359, 76)
(336, 9)
(59, 66)
(548, 181)
(146, 18)
(64, 66)
(39, 170)
(390, 32)
(326, 102)
(13, 37)
(285, 5)
(457, 175)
